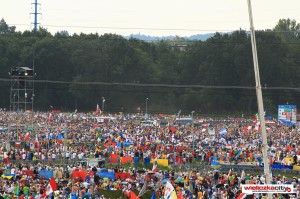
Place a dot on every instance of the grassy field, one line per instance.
(118, 194)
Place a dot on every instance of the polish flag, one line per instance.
(242, 196)
(98, 110)
(50, 188)
(36, 143)
(5, 158)
(27, 136)
(17, 144)
(229, 174)
(154, 168)
(50, 116)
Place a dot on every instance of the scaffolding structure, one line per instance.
(22, 89)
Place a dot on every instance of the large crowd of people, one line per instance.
(36, 144)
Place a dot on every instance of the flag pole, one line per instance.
(259, 99)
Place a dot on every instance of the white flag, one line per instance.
(211, 131)
(168, 190)
(144, 189)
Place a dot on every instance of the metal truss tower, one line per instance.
(22, 89)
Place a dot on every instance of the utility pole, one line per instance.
(35, 22)
(259, 100)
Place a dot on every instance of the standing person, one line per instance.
(26, 190)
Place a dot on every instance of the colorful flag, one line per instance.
(168, 190)
(154, 168)
(7, 176)
(50, 188)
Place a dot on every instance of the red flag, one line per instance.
(27, 136)
(133, 195)
(50, 188)
(241, 196)
(79, 174)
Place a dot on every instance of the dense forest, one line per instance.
(215, 76)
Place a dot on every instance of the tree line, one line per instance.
(211, 77)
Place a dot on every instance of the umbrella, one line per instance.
(141, 171)
(164, 181)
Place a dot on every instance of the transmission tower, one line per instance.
(35, 13)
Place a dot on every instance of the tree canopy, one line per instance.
(209, 77)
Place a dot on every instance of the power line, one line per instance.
(159, 29)
(157, 85)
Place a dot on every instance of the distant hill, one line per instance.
(201, 37)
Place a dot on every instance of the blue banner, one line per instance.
(125, 144)
(47, 174)
(110, 175)
(147, 161)
(136, 160)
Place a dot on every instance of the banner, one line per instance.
(28, 173)
(45, 173)
(136, 160)
(161, 162)
(126, 159)
(122, 175)
(146, 161)
(79, 174)
(110, 175)
(287, 114)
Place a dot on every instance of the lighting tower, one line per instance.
(21, 90)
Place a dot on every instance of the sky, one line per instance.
(154, 18)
